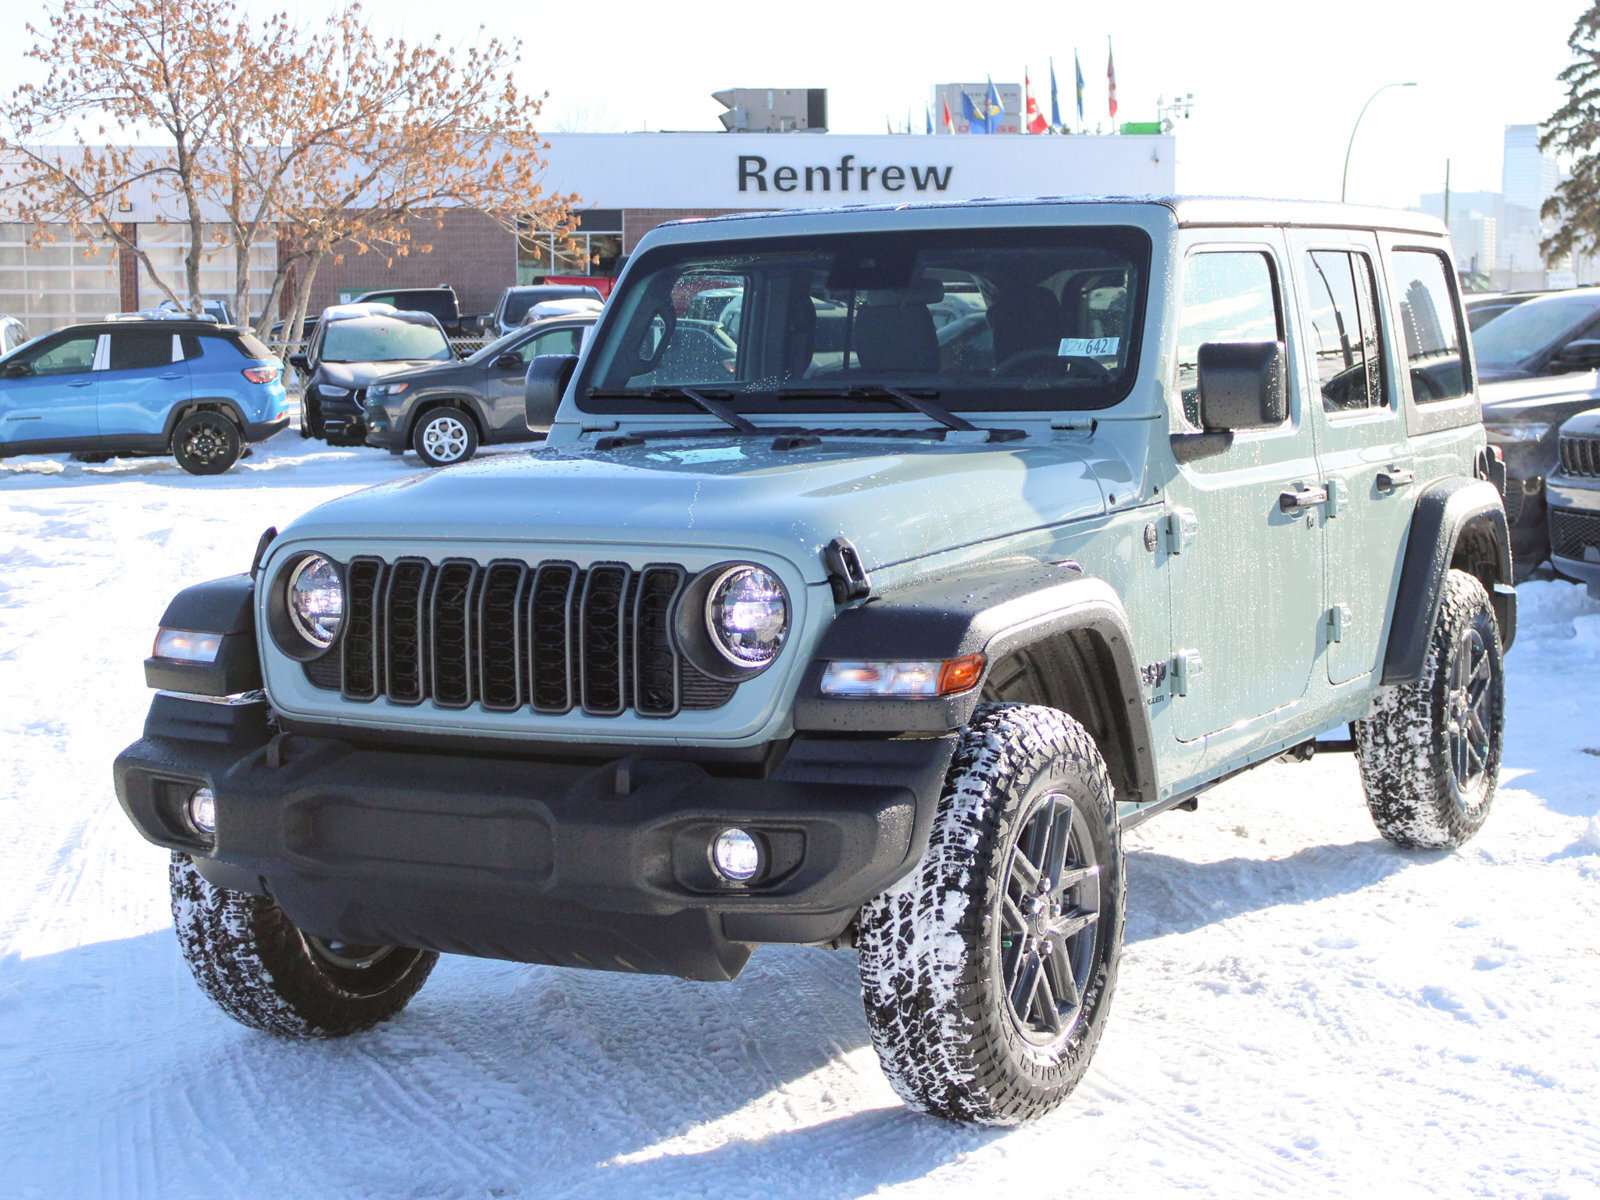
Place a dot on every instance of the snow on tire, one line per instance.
(1430, 752)
(265, 973)
(987, 972)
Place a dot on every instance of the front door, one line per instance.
(48, 393)
(1246, 577)
(506, 389)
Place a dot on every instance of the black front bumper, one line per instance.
(593, 864)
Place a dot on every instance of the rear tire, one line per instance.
(444, 437)
(206, 443)
(1430, 752)
(264, 972)
(987, 973)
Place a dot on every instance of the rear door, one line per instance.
(1247, 578)
(145, 377)
(48, 391)
(1354, 408)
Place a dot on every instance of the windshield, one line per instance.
(1529, 328)
(378, 339)
(984, 319)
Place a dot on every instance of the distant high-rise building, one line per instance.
(1528, 175)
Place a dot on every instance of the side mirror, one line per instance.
(300, 363)
(548, 376)
(18, 370)
(508, 362)
(1243, 385)
(1582, 355)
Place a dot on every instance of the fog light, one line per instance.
(203, 811)
(736, 856)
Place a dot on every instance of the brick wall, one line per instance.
(636, 222)
(471, 252)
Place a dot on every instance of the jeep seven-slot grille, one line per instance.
(1571, 532)
(508, 636)
(1580, 456)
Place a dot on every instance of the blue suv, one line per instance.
(192, 389)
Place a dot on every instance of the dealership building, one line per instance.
(627, 184)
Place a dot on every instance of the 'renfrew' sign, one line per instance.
(848, 176)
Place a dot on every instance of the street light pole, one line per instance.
(1345, 179)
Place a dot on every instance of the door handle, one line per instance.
(81, 383)
(1388, 480)
(1304, 498)
(172, 376)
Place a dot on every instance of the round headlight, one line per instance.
(747, 614)
(316, 600)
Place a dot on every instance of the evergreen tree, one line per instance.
(1574, 129)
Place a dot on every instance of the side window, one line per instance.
(1431, 325)
(1344, 330)
(140, 349)
(65, 357)
(556, 341)
(1228, 296)
(190, 344)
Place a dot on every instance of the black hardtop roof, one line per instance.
(1188, 210)
(174, 325)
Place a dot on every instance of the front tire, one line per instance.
(987, 973)
(1430, 752)
(206, 443)
(266, 973)
(445, 436)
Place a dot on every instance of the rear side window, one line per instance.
(240, 347)
(1431, 326)
(1228, 296)
(136, 349)
(1344, 330)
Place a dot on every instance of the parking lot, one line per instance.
(1302, 1008)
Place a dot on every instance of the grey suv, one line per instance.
(857, 637)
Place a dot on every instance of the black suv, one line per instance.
(439, 302)
(351, 349)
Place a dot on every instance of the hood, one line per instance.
(1543, 397)
(1585, 424)
(360, 375)
(737, 493)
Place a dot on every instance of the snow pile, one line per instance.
(1302, 1009)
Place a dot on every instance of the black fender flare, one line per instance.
(996, 614)
(225, 606)
(1444, 512)
(179, 411)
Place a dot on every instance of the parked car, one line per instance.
(1548, 335)
(861, 648)
(446, 412)
(546, 309)
(1485, 307)
(193, 389)
(440, 302)
(1574, 490)
(516, 301)
(351, 348)
(12, 334)
(218, 310)
(1521, 418)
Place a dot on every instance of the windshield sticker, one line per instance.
(1087, 347)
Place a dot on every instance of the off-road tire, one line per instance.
(1410, 747)
(265, 973)
(206, 443)
(935, 948)
(444, 436)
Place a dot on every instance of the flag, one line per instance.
(1055, 104)
(1111, 80)
(888, 125)
(969, 113)
(1078, 69)
(949, 125)
(928, 112)
(993, 109)
(1035, 119)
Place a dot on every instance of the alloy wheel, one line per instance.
(445, 438)
(1469, 700)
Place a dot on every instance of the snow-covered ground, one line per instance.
(1303, 1009)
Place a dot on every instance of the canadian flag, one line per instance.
(949, 126)
(1036, 122)
(1111, 80)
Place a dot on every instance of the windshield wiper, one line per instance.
(907, 400)
(701, 399)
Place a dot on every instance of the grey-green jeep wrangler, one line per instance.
(865, 607)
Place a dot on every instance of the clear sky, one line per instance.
(1276, 86)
